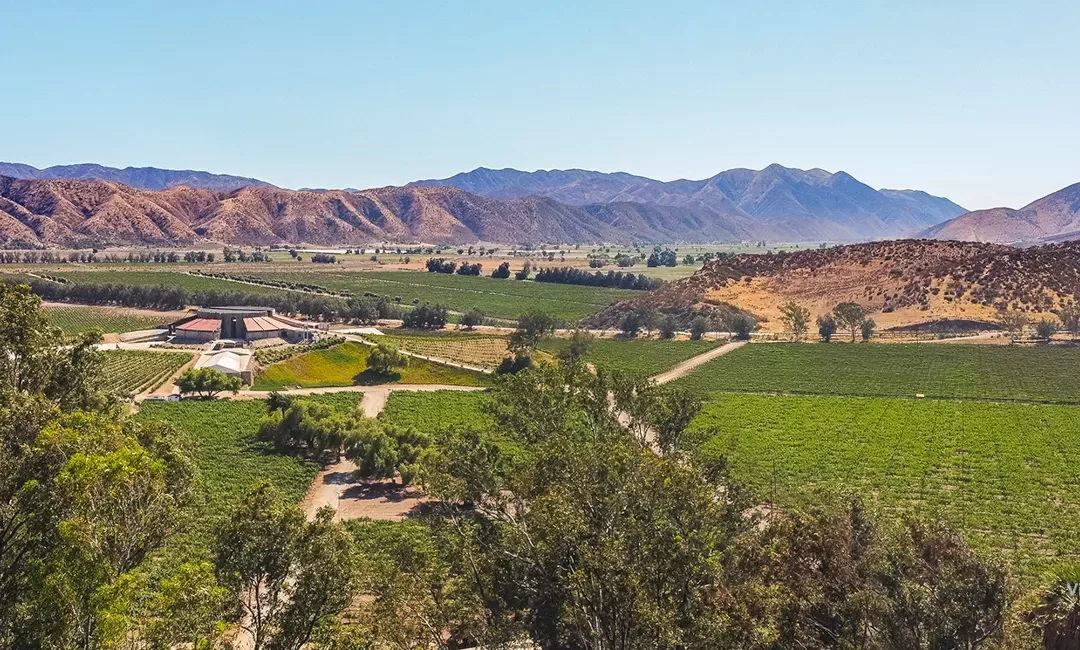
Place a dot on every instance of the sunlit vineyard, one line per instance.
(134, 371)
(1005, 474)
(76, 319)
(478, 351)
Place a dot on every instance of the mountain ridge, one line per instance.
(803, 204)
(1054, 217)
(145, 178)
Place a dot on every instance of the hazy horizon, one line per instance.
(970, 101)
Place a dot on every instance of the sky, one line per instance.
(977, 101)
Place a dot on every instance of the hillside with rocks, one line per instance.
(899, 283)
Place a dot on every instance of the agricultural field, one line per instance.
(431, 411)
(479, 350)
(1044, 373)
(346, 365)
(505, 299)
(1003, 473)
(171, 279)
(644, 357)
(77, 319)
(230, 459)
(131, 372)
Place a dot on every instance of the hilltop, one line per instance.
(144, 178)
(1055, 217)
(899, 283)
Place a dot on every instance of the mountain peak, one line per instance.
(144, 178)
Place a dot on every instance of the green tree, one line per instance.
(740, 324)
(472, 318)
(631, 323)
(1070, 320)
(668, 327)
(1046, 328)
(826, 327)
(796, 319)
(867, 328)
(383, 451)
(577, 347)
(698, 327)
(1013, 321)
(384, 358)
(189, 610)
(207, 383)
(533, 326)
(849, 316)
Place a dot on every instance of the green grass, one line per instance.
(506, 299)
(936, 370)
(434, 410)
(133, 371)
(1005, 474)
(171, 279)
(230, 459)
(645, 357)
(345, 365)
(77, 319)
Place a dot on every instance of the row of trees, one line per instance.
(846, 316)
(1015, 322)
(616, 279)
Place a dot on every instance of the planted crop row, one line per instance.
(1003, 473)
(76, 319)
(131, 372)
(479, 351)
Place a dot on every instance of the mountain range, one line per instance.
(777, 203)
(145, 178)
(1053, 218)
(89, 204)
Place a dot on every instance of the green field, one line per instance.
(77, 319)
(230, 459)
(133, 371)
(505, 299)
(345, 365)
(902, 370)
(171, 279)
(644, 357)
(434, 410)
(1006, 474)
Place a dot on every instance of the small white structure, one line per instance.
(230, 362)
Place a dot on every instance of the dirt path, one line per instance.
(685, 367)
(385, 388)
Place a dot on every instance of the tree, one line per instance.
(668, 327)
(502, 272)
(425, 317)
(867, 328)
(796, 319)
(698, 327)
(472, 318)
(576, 348)
(740, 324)
(382, 451)
(826, 327)
(384, 358)
(533, 326)
(190, 609)
(631, 323)
(1070, 320)
(849, 316)
(290, 579)
(1013, 321)
(1045, 329)
(206, 383)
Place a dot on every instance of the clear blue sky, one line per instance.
(978, 101)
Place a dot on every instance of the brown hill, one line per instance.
(36, 213)
(899, 282)
(1052, 218)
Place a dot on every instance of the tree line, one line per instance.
(615, 279)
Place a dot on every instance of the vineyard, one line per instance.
(431, 411)
(346, 365)
(478, 351)
(643, 357)
(230, 459)
(505, 299)
(131, 372)
(1003, 473)
(267, 356)
(77, 319)
(170, 279)
(1046, 374)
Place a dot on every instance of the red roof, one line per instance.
(265, 324)
(201, 325)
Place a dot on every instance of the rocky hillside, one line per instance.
(777, 203)
(1052, 218)
(144, 178)
(898, 282)
(37, 213)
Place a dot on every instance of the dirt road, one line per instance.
(693, 362)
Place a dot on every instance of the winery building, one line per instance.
(238, 323)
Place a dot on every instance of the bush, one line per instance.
(438, 265)
(514, 365)
(469, 269)
(472, 318)
(502, 272)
